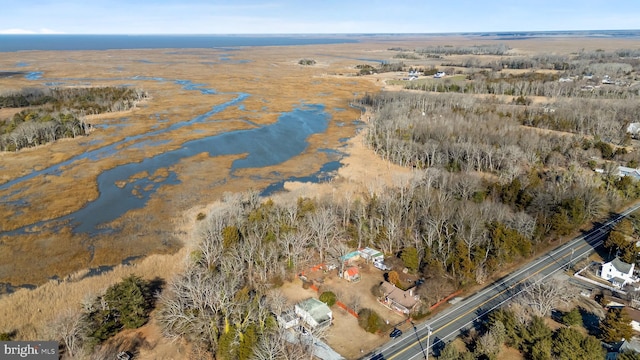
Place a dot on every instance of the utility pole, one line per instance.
(415, 331)
(428, 336)
(571, 258)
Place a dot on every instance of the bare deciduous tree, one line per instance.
(68, 328)
(543, 296)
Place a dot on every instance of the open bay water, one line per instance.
(9, 43)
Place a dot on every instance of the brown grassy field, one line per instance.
(160, 232)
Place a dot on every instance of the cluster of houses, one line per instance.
(415, 74)
(351, 272)
(403, 301)
(313, 313)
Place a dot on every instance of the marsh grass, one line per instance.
(29, 311)
(275, 84)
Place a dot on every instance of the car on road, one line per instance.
(395, 333)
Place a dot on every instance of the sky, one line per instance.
(312, 17)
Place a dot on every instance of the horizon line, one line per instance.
(317, 34)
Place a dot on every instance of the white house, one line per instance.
(618, 272)
(314, 313)
(627, 171)
(371, 255)
(634, 130)
(624, 171)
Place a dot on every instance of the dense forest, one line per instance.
(51, 114)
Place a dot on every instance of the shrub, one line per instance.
(328, 298)
(370, 321)
(201, 216)
(307, 62)
(394, 278)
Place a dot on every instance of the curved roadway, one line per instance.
(447, 325)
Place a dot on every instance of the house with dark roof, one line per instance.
(404, 301)
(632, 345)
(617, 272)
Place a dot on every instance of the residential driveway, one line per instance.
(320, 348)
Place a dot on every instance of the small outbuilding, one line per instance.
(371, 255)
(351, 274)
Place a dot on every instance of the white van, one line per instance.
(380, 265)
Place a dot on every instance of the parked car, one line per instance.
(395, 333)
(382, 266)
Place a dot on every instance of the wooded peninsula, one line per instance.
(48, 114)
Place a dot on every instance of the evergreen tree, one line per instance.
(592, 348)
(541, 350)
(567, 344)
(572, 318)
(248, 342)
(124, 305)
(131, 299)
(513, 335)
(328, 298)
(411, 259)
(536, 331)
(616, 326)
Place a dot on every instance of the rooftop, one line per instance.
(352, 271)
(371, 253)
(318, 310)
(399, 296)
(621, 266)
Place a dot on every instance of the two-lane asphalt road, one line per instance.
(447, 325)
